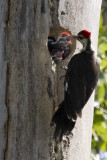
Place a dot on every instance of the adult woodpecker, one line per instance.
(80, 81)
(59, 49)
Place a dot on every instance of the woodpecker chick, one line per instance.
(59, 49)
(80, 81)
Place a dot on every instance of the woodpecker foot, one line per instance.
(74, 120)
(64, 67)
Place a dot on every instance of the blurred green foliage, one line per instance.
(99, 137)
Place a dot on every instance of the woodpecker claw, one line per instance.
(64, 67)
(74, 120)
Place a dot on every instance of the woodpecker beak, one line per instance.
(75, 37)
(68, 39)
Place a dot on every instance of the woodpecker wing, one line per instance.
(75, 89)
(80, 81)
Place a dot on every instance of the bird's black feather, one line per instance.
(80, 81)
(81, 77)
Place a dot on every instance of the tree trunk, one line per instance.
(29, 88)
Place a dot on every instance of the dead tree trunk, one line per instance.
(29, 88)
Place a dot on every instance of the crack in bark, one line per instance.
(7, 19)
(7, 121)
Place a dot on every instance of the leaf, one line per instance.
(101, 19)
(103, 47)
(103, 146)
(100, 91)
(103, 64)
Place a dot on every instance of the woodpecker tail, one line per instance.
(64, 125)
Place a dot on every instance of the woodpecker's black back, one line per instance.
(80, 81)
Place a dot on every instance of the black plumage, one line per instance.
(80, 81)
(51, 41)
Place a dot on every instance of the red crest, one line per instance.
(85, 33)
(68, 34)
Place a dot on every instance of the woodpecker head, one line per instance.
(65, 37)
(84, 37)
(59, 49)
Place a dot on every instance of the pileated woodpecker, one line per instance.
(80, 81)
(59, 49)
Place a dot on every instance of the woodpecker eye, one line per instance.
(81, 37)
(64, 35)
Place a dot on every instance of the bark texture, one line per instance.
(29, 88)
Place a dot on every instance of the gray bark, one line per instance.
(33, 91)
(3, 110)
